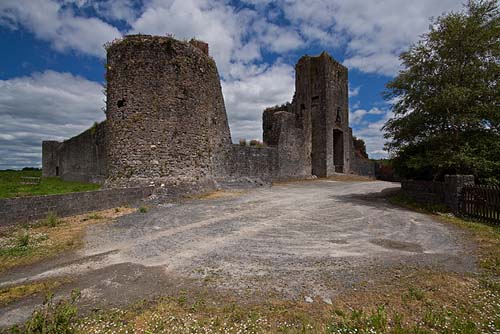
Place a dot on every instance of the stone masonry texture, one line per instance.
(312, 132)
(165, 112)
(81, 158)
(26, 209)
(166, 124)
(447, 192)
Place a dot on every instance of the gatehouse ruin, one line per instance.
(166, 124)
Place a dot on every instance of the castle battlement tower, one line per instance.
(320, 109)
(322, 92)
(165, 112)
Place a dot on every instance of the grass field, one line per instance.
(11, 186)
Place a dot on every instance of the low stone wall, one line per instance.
(424, 191)
(25, 209)
(447, 192)
(252, 162)
(363, 167)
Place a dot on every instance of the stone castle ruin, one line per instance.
(166, 124)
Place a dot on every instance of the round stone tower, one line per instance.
(166, 119)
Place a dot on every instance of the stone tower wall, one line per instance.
(323, 92)
(312, 133)
(165, 111)
(82, 158)
(49, 158)
(287, 128)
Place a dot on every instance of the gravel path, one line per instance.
(292, 241)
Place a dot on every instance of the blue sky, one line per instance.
(52, 72)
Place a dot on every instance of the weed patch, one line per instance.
(22, 246)
(54, 317)
(94, 216)
(50, 221)
(19, 244)
(11, 294)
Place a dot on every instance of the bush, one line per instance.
(243, 142)
(256, 143)
(94, 216)
(23, 239)
(51, 220)
(53, 317)
(143, 209)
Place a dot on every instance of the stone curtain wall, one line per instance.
(447, 192)
(294, 155)
(271, 124)
(25, 209)
(165, 112)
(362, 166)
(81, 158)
(252, 162)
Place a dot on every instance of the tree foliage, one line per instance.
(359, 146)
(447, 98)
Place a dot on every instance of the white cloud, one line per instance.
(48, 21)
(246, 99)
(116, 10)
(356, 117)
(354, 91)
(373, 136)
(211, 21)
(120, 10)
(236, 36)
(375, 32)
(43, 106)
(276, 38)
(324, 37)
(381, 63)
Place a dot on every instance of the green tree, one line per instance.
(359, 146)
(447, 98)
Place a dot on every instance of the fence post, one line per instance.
(453, 186)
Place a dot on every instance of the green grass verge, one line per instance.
(10, 185)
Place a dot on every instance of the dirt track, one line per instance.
(289, 241)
